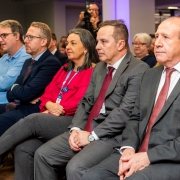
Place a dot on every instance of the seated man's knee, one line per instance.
(40, 153)
(92, 174)
(71, 167)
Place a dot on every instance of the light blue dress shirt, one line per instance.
(10, 68)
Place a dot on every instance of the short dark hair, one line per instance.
(89, 43)
(152, 35)
(62, 37)
(99, 8)
(15, 27)
(120, 30)
(53, 36)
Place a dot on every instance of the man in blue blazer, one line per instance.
(35, 75)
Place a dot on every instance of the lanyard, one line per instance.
(65, 89)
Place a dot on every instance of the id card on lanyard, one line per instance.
(65, 89)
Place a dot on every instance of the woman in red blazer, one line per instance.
(58, 104)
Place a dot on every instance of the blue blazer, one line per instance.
(33, 87)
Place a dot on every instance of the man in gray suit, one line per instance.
(85, 148)
(151, 140)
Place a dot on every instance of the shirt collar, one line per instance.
(38, 56)
(16, 55)
(54, 51)
(177, 67)
(116, 65)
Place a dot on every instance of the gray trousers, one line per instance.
(57, 152)
(108, 169)
(28, 135)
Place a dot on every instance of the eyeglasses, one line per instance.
(4, 35)
(138, 44)
(30, 37)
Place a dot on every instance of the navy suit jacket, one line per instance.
(33, 87)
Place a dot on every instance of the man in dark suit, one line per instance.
(89, 147)
(53, 49)
(35, 75)
(151, 140)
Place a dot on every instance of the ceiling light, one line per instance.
(171, 7)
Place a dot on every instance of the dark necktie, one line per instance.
(28, 70)
(156, 110)
(99, 101)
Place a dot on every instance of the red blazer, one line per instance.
(76, 90)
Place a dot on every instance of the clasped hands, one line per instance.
(78, 139)
(131, 162)
(54, 109)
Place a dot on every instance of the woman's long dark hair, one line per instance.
(89, 43)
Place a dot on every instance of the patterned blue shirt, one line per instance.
(10, 68)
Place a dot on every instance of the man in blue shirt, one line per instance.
(36, 73)
(11, 63)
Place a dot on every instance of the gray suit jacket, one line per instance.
(119, 100)
(164, 142)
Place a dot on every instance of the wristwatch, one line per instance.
(91, 138)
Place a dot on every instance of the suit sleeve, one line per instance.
(115, 122)
(130, 133)
(166, 152)
(36, 86)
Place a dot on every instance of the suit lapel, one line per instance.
(36, 64)
(155, 79)
(28, 73)
(100, 78)
(119, 71)
(175, 92)
(150, 92)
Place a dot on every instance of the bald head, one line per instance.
(167, 44)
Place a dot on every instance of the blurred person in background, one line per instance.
(63, 39)
(141, 46)
(53, 49)
(62, 47)
(151, 49)
(90, 19)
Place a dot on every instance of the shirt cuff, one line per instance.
(74, 128)
(95, 136)
(125, 147)
(13, 86)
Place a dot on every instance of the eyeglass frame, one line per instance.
(30, 37)
(5, 35)
(138, 44)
